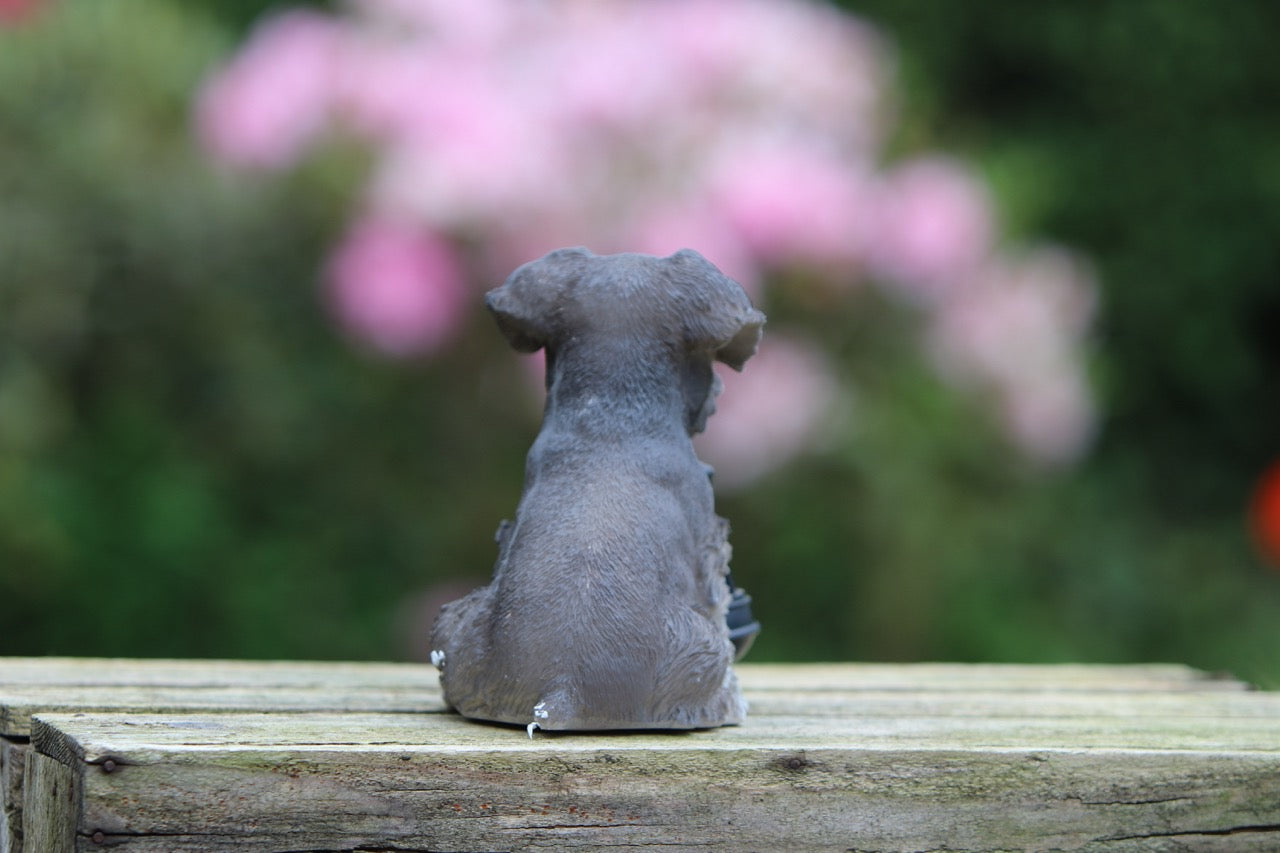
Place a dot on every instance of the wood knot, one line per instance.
(792, 763)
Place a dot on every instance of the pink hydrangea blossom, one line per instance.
(750, 130)
(768, 413)
(269, 102)
(14, 12)
(794, 207)
(1051, 419)
(605, 72)
(1017, 330)
(934, 226)
(476, 22)
(380, 81)
(396, 286)
(803, 69)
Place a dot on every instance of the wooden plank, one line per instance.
(160, 672)
(18, 704)
(29, 685)
(212, 673)
(52, 684)
(881, 771)
(68, 685)
(809, 692)
(994, 704)
(13, 762)
(52, 792)
(93, 736)
(1058, 678)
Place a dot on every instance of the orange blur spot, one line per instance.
(1264, 515)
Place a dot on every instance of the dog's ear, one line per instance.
(718, 313)
(526, 305)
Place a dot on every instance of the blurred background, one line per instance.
(1017, 400)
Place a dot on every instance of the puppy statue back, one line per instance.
(608, 600)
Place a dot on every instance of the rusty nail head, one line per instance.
(99, 836)
(108, 766)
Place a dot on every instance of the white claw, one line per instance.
(529, 728)
(437, 658)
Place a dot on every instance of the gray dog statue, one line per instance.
(607, 608)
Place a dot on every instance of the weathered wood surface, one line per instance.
(53, 790)
(12, 769)
(102, 684)
(840, 757)
(28, 685)
(89, 684)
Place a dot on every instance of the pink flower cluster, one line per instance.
(750, 130)
(15, 12)
(770, 413)
(1014, 330)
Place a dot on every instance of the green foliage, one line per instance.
(193, 462)
(1137, 132)
(1134, 131)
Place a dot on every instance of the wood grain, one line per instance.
(53, 804)
(28, 685)
(838, 757)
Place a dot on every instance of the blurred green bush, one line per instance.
(192, 461)
(1138, 131)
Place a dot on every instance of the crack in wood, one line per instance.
(378, 849)
(1185, 833)
(568, 826)
(363, 850)
(1149, 802)
(108, 837)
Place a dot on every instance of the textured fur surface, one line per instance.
(607, 605)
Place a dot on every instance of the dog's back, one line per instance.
(607, 608)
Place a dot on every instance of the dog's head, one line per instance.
(680, 302)
(682, 297)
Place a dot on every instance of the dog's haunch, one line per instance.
(610, 596)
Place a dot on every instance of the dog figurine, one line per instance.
(608, 602)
